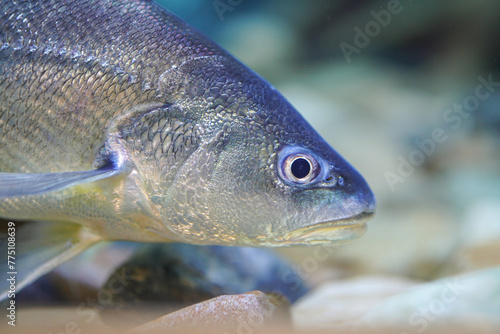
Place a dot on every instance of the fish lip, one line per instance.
(330, 231)
(361, 218)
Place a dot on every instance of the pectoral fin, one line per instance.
(38, 247)
(25, 184)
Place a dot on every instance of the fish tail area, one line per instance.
(35, 248)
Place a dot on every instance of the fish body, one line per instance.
(118, 121)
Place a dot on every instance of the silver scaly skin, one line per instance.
(157, 134)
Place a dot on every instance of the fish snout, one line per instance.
(367, 200)
(359, 198)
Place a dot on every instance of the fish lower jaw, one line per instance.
(335, 231)
(327, 235)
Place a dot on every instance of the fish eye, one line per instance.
(299, 166)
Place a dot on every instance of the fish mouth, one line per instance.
(333, 231)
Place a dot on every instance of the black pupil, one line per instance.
(300, 168)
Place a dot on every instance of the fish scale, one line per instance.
(61, 48)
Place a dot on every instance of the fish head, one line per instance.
(262, 176)
(287, 186)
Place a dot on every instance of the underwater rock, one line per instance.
(337, 303)
(162, 278)
(244, 313)
(467, 303)
(470, 302)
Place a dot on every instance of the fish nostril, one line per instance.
(334, 180)
(340, 180)
(331, 178)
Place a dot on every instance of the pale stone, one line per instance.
(470, 301)
(244, 313)
(342, 302)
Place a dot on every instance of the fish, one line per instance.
(119, 121)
